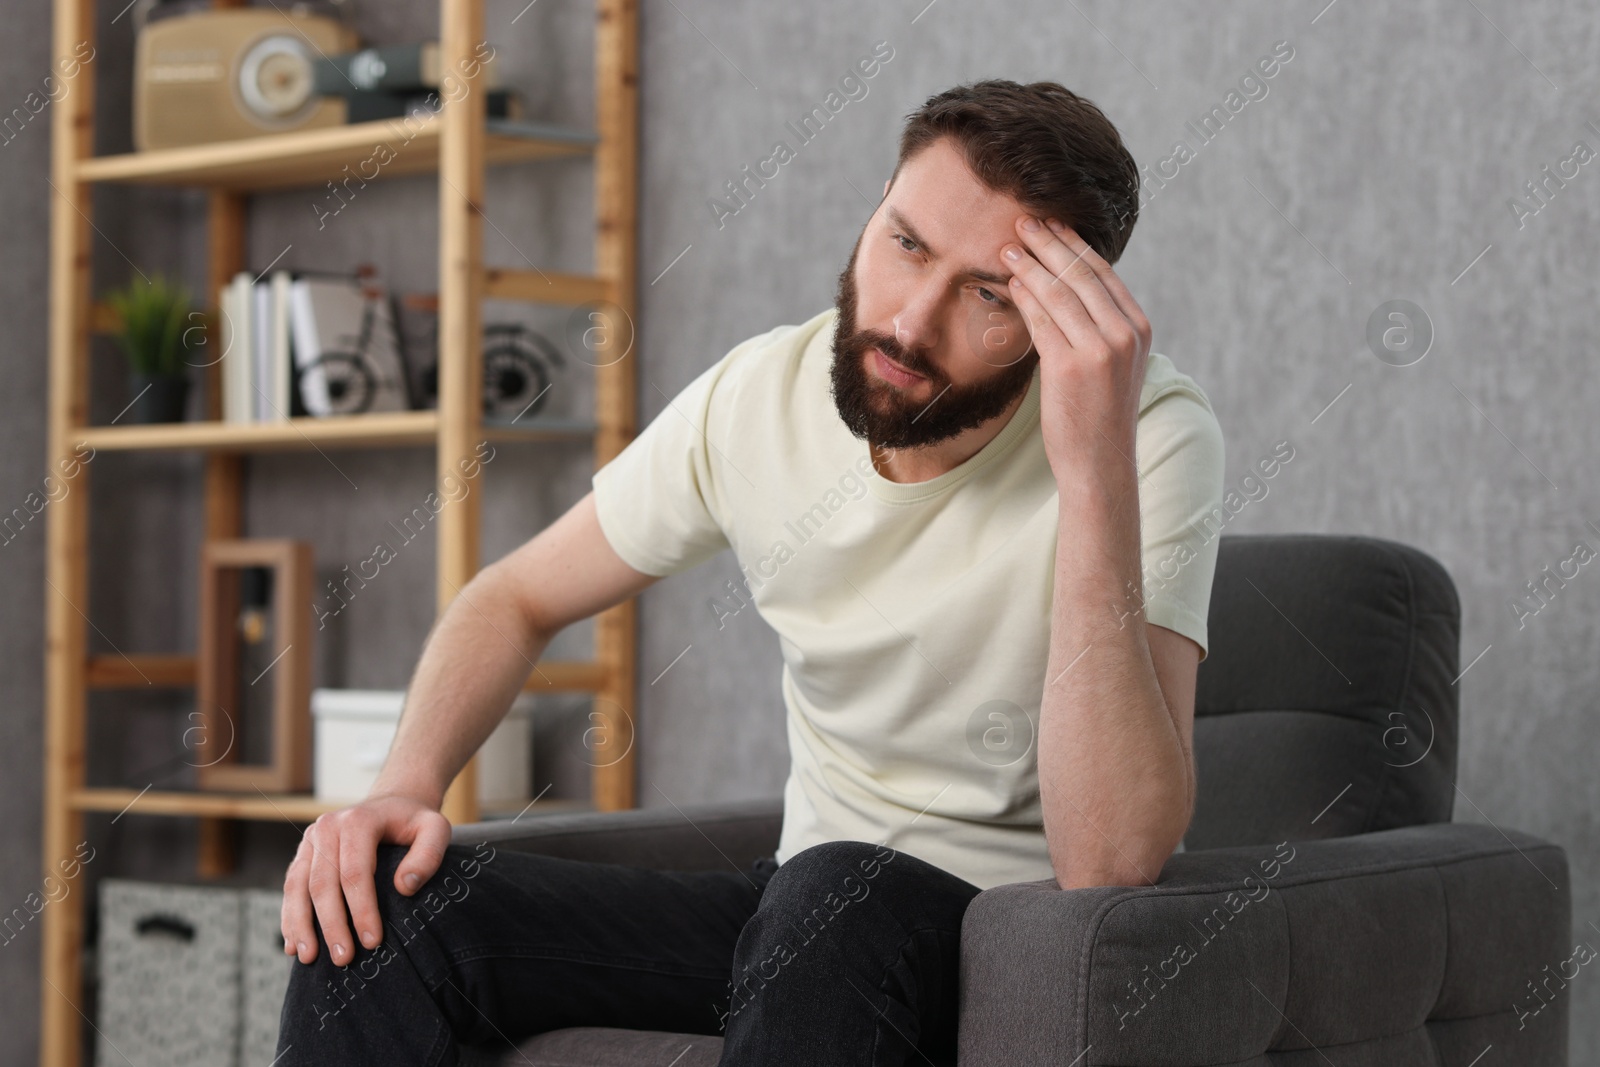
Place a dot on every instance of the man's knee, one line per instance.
(406, 914)
(826, 878)
(835, 874)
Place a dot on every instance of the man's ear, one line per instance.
(886, 186)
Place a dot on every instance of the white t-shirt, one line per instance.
(914, 618)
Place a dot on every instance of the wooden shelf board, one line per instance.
(340, 431)
(293, 807)
(270, 807)
(387, 428)
(113, 671)
(314, 157)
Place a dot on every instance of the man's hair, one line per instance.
(1050, 149)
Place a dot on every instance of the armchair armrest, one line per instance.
(1418, 945)
(719, 835)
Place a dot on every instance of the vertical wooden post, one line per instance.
(224, 489)
(66, 529)
(616, 169)
(460, 316)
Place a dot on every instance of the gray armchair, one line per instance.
(1325, 909)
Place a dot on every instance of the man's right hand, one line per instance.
(334, 867)
(467, 677)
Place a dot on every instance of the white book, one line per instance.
(247, 365)
(238, 334)
(281, 360)
(261, 399)
(247, 353)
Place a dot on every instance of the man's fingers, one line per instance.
(331, 882)
(430, 833)
(358, 858)
(298, 936)
(327, 891)
(1059, 300)
(1109, 278)
(1070, 261)
(1042, 327)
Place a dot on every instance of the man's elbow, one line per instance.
(1134, 862)
(1128, 873)
(497, 582)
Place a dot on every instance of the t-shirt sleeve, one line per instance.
(657, 499)
(1180, 501)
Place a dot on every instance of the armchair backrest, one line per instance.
(1327, 702)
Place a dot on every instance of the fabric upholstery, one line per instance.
(599, 1046)
(1389, 948)
(1332, 664)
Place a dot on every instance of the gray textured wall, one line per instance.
(1382, 163)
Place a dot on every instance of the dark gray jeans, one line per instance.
(845, 955)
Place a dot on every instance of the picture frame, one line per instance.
(254, 586)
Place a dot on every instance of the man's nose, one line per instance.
(915, 327)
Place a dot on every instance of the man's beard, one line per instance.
(879, 413)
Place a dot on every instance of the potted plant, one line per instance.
(154, 331)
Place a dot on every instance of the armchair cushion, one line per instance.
(1332, 667)
(1406, 946)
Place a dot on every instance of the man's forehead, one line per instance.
(941, 170)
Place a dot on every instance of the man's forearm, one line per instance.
(473, 664)
(1114, 778)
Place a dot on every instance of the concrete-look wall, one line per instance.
(1383, 161)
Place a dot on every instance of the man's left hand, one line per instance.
(1093, 340)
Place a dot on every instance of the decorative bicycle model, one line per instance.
(350, 374)
(516, 361)
(516, 378)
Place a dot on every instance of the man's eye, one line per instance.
(904, 241)
(996, 301)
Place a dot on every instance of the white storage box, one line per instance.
(354, 728)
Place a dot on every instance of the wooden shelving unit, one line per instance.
(458, 144)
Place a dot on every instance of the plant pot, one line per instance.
(160, 397)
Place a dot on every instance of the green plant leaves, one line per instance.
(152, 315)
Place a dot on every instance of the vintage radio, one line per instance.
(236, 72)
